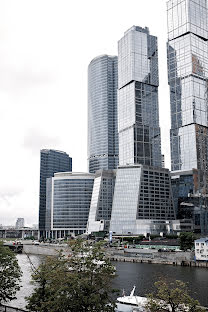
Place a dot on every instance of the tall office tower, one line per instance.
(142, 200)
(102, 113)
(51, 161)
(68, 203)
(138, 114)
(188, 81)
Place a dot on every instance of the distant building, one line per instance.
(201, 249)
(68, 203)
(51, 161)
(102, 201)
(20, 223)
(102, 113)
(163, 161)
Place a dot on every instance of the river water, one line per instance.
(127, 275)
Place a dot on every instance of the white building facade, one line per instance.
(201, 249)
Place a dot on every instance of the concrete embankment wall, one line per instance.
(128, 255)
(45, 250)
(152, 256)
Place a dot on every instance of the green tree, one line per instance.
(172, 297)
(81, 282)
(186, 240)
(10, 274)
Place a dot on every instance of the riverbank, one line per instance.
(150, 256)
(154, 257)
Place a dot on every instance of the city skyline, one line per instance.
(41, 83)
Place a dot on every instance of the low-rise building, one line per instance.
(68, 198)
(143, 202)
(201, 249)
(102, 200)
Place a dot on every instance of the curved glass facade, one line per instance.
(102, 113)
(68, 203)
(138, 112)
(188, 81)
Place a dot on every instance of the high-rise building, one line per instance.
(51, 161)
(68, 203)
(20, 223)
(102, 113)
(138, 113)
(188, 81)
(102, 201)
(142, 200)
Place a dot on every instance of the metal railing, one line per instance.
(4, 308)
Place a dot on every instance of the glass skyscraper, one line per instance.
(142, 200)
(188, 81)
(51, 161)
(138, 113)
(102, 113)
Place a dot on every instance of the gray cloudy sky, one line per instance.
(45, 48)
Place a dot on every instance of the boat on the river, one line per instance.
(137, 303)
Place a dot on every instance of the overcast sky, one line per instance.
(45, 48)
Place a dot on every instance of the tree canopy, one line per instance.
(81, 282)
(186, 240)
(172, 297)
(10, 274)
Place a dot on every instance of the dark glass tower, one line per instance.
(138, 112)
(188, 81)
(102, 113)
(51, 161)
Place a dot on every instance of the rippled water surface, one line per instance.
(128, 274)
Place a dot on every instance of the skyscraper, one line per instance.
(102, 113)
(188, 81)
(142, 200)
(138, 113)
(51, 161)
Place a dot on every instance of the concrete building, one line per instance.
(102, 200)
(20, 223)
(201, 249)
(68, 203)
(51, 161)
(102, 113)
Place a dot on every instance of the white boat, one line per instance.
(133, 301)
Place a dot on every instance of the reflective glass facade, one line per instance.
(188, 81)
(142, 201)
(102, 113)
(102, 200)
(51, 161)
(68, 201)
(138, 114)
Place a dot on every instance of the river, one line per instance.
(129, 274)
